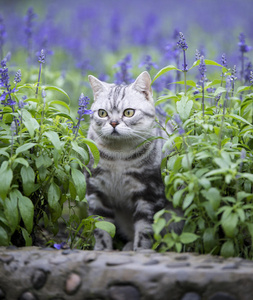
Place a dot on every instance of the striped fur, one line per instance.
(126, 188)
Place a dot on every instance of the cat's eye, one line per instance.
(129, 112)
(102, 113)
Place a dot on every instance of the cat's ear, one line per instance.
(142, 84)
(96, 85)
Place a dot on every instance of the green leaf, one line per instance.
(188, 237)
(188, 82)
(213, 195)
(94, 150)
(106, 226)
(237, 117)
(228, 249)
(54, 139)
(187, 161)
(188, 200)
(79, 182)
(28, 179)
(159, 214)
(208, 62)
(2, 152)
(177, 197)
(229, 224)
(243, 88)
(247, 176)
(209, 239)
(163, 99)
(22, 161)
(53, 195)
(11, 209)
(219, 90)
(184, 107)
(58, 102)
(31, 123)
(25, 147)
(241, 195)
(159, 225)
(4, 240)
(165, 70)
(6, 176)
(54, 88)
(81, 151)
(26, 209)
(27, 237)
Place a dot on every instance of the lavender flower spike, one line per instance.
(182, 43)
(42, 57)
(17, 78)
(202, 67)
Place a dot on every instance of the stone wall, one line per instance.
(33, 273)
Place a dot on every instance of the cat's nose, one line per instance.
(114, 123)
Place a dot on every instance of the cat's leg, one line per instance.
(103, 240)
(143, 219)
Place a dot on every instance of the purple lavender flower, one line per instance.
(29, 22)
(123, 76)
(248, 70)
(251, 77)
(41, 60)
(202, 67)
(82, 110)
(242, 44)
(197, 54)
(233, 73)
(182, 43)
(148, 63)
(224, 60)
(228, 84)
(21, 103)
(60, 246)
(17, 78)
(2, 36)
(42, 57)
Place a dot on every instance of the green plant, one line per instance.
(209, 171)
(43, 153)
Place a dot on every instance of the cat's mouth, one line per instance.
(115, 132)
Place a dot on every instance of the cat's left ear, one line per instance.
(142, 84)
(96, 85)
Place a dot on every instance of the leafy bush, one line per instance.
(209, 171)
(43, 152)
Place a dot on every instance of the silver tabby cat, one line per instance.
(126, 188)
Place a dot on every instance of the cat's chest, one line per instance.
(117, 183)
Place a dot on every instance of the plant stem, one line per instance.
(203, 98)
(242, 71)
(38, 84)
(185, 83)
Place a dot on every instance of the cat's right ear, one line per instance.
(97, 86)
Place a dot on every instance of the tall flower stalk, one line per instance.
(2, 36)
(243, 48)
(41, 60)
(202, 70)
(224, 63)
(29, 19)
(82, 110)
(183, 45)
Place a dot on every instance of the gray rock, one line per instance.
(124, 292)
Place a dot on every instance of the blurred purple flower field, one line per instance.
(114, 38)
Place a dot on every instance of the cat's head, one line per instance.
(123, 111)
